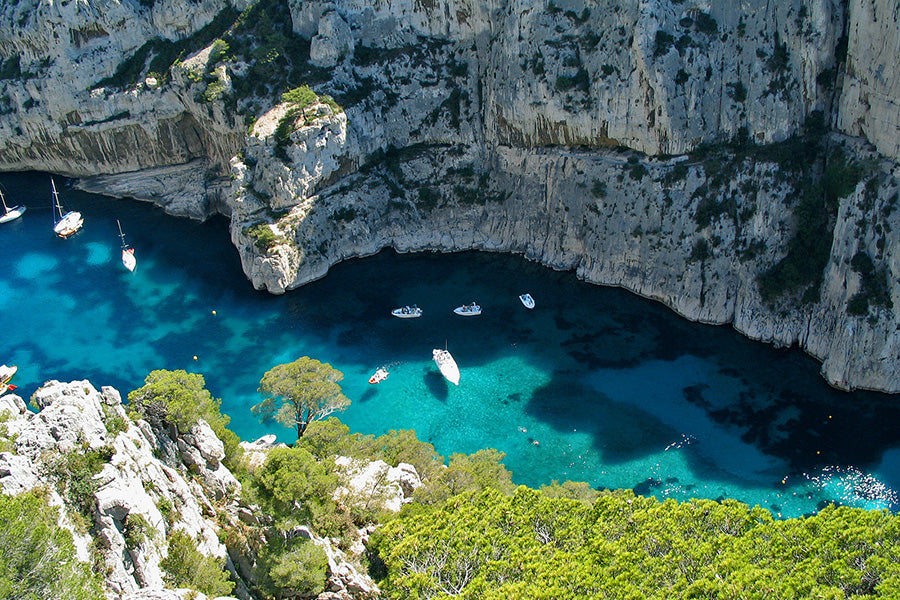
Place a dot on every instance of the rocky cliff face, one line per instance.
(57, 114)
(133, 485)
(515, 127)
(150, 481)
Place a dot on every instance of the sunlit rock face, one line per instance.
(563, 130)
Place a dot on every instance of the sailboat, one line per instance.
(10, 213)
(69, 223)
(128, 258)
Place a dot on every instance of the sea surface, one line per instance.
(594, 384)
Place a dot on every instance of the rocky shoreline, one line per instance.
(574, 134)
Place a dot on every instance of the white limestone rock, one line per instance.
(871, 83)
(368, 482)
(333, 41)
(133, 487)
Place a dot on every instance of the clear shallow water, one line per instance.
(595, 384)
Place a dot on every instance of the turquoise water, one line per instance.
(595, 384)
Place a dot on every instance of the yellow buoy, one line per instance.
(213, 312)
(195, 357)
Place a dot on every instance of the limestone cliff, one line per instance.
(567, 130)
(136, 500)
(147, 481)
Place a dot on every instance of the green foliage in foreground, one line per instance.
(180, 399)
(37, 557)
(535, 545)
(186, 567)
(290, 568)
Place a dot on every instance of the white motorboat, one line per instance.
(69, 223)
(6, 372)
(468, 310)
(446, 364)
(128, 258)
(379, 375)
(527, 300)
(10, 214)
(407, 312)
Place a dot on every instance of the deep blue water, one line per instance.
(594, 385)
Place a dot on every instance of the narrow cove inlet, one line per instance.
(594, 384)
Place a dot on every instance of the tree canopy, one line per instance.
(180, 399)
(492, 546)
(300, 392)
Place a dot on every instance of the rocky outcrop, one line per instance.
(375, 482)
(137, 499)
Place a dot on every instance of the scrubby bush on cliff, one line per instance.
(290, 568)
(74, 473)
(37, 557)
(180, 399)
(186, 567)
(492, 546)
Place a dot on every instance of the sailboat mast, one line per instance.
(56, 199)
(3, 200)
(121, 234)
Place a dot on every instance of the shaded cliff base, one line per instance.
(790, 243)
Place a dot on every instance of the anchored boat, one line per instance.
(446, 364)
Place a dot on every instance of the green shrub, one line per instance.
(218, 53)
(37, 556)
(180, 399)
(302, 97)
(344, 214)
(530, 544)
(700, 251)
(214, 91)
(186, 567)
(662, 43)
(263, 237)
(74, 474)
(137, 530)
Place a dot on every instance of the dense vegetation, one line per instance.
(37, 557)
(186, 567)
(534, 544)
(179, 399)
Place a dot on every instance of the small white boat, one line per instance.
(128, 258)
(69, 223)
(527, 300)
(407, 312)
(379, 375)
(10, 214)
(6, 372)
(446, 364)
(468, 310)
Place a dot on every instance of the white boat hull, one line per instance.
(12, 214)
(6, 372)
(527, 300)
(446, 365)
(408, 313)
(128, 259)
(69, 224)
